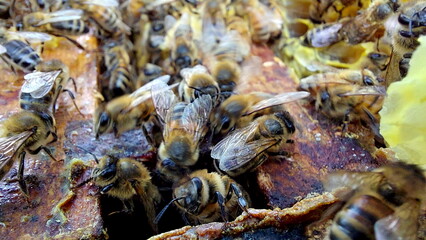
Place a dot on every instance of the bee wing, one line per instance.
(402, 224)
(277, 100)
(186, 73)
(163, 98)
(33, 37)
(352, 180)
(2, 49)
(38, 84)
(196, 114)
(366, 90)
(241, 154)
(105, 3)
(326, 36)
(62, 15)
(9, 146)
(234, 139)
(147, 87)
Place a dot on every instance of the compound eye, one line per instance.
(226, 122)
(368, 81)
(104, 119)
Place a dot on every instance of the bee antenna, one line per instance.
(82, 183)
(157, 219)
(93, 155)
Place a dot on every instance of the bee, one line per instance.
(264, 23)
(105, 13)
(239, 110)
(184, 52)
(382, 204)
(22, 132)
(197, 82)
(18, 53)
(227, 74)
(403, 30)
(124, 178)
(244, 149)
(149, 73)
(238, 24)
(41, 88)
(184, 126)
(126, 112)
(118, 70)
(64, 22)
(323, 36)
(51, 5)
(206, 197)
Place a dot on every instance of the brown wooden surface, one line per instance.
(51, 210)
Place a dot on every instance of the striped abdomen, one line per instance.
(356, 220)
(71, 27)
(43, 104)
(176, 115)
(22, 55)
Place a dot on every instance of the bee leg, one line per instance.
(148, 135)
(73, 100)
(73, 83)
(404, 64)
(21, 179)
(345, 122)
(221, 202)
(241, 199)
(108, 187)
(55, 137)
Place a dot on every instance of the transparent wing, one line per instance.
(366, 90)
(62, 15)
(9, 146)
(33, 37)
(186, 73)
(38, 84)
(147, 87)
(105, 3)
(326, 36)
(2, 49)
(163, 98)
(352, 180)
(277, 100)
(196, 114)
(234, 139)
(239, 155)
(402, 224)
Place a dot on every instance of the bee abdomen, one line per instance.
(27, 102)
(73, 27)
(178, 111)
(357, 220)
(22, 54)
(121, 82)
(4, 6)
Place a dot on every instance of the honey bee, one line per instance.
(244, 149)
(128, 111)
(184, 126)
(41, 88)
(239, 110)
(206, 197)
(64, 22)
(25, 131)
(403, 30)
(184, 52)
(124, 178)
(227, 75)
(118, 70)
(238, 24)
(197, 82)
(382, 204)
(339, 99)
(105, 13)
(264, 23)
(19, 54)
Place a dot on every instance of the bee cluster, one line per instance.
(172, 68)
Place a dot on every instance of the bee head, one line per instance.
(190, 194)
